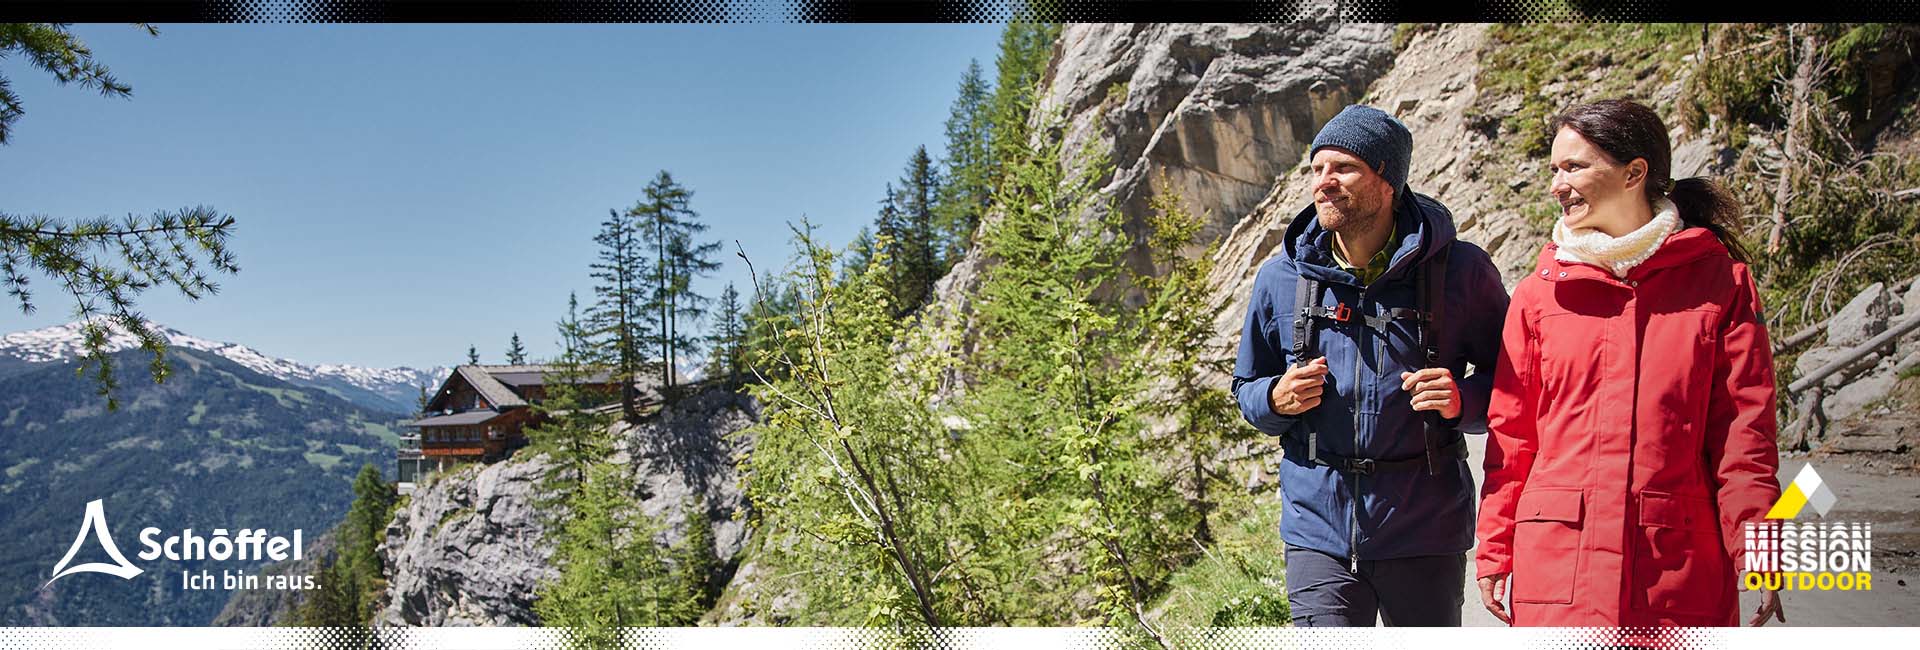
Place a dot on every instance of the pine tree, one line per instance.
(916, 246)
(858, 255)
(728, 340)
(612, 575)
(1178, 327)
(618, 322)
(516, 353)
(473, 355)
(969, 173)
(670, 228)
(51, 47)
(1052, 378)
(336, 602)
(567, 427)
(1025, 48)
(103, 263)
(843, 455)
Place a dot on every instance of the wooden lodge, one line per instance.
(481, 413)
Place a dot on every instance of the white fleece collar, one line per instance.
(1617, 254)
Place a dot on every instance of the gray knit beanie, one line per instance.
(1375, 137)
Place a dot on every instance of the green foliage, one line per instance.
(1525, 58)
(105, 265)
(728, 340)
(1855, 79)
(473, 355)
(1240, 581)
(1178, 322)
(1060, 374)
(911, 238)
(573, 436)
(968, 192)
(669, 228)
(612, 573)
(51, 47)
(619, 323)
(338, 602)
(773, 310)
(516, 353)
(1845, 228)
(1025, 48)
(1404, 33)
(843, 457)
(353, 582)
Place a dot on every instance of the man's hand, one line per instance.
(1433, 390)
(1493, 594)
(1298, 390)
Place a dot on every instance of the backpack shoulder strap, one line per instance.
(1433, 303)
(1306, 299)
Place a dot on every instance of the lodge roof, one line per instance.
(497, 394)
(457, 419)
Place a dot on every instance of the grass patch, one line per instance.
(385, 433)
(1240, 581)
(16, 469)
(199, 411)
(325, 462)
(449, 517)
(1524, 60)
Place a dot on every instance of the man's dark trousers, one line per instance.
(1421, 591)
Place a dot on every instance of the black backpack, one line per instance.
(1442, 441)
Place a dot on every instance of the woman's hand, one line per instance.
(1493, 594)
(1769, 608)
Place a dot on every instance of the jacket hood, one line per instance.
(1424, 225)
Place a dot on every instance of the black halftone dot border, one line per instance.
(948, 11)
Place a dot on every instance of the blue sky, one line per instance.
(403, 191)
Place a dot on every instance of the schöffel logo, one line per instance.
(96, 523)
(1824, 556)
(246, 545)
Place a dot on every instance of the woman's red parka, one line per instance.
(1632, 434)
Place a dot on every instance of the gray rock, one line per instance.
(472, 547)
(1856, 395)
(1863, 317)
(1910, 299)
(1215, 112)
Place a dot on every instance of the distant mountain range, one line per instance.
(391, 390)
(233, 439)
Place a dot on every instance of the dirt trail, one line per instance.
(1869, 489)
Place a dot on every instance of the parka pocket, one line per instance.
(1546, 544)
(1679, 564)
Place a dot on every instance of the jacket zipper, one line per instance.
(1359, 392)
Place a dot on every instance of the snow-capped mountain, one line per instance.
(394, 390)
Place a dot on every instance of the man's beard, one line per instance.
(1355, 217)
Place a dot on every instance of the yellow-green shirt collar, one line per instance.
(1376, 266)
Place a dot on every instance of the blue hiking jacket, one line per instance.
(1363, 413)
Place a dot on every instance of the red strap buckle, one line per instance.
(1341, 313)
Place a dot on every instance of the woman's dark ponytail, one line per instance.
(1626, 130)
(1706, 204)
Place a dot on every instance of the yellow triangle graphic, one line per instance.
(1790, 503)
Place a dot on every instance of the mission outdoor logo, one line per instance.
(1786, 555)
(248, 544)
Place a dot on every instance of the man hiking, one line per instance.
(1355, 353)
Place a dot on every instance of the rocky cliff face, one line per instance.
(472, 546)
(1213, 112)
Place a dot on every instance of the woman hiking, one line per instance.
(1632, 417)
